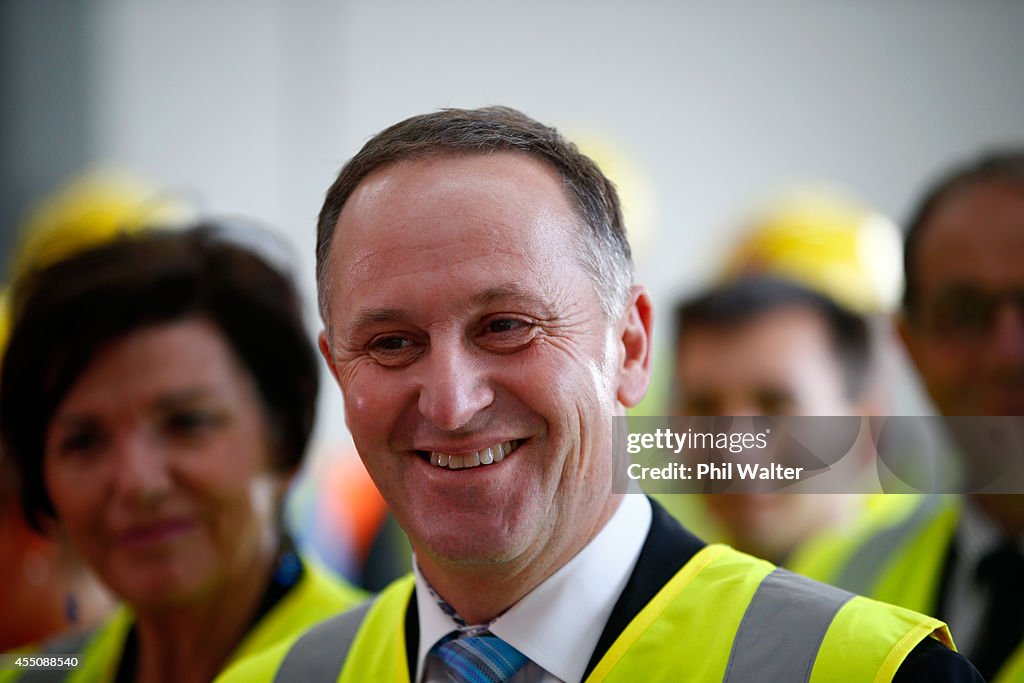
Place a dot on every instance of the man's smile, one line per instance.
(486, 456)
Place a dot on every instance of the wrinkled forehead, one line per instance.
(771, 343)
(417, 217)
(507, 185)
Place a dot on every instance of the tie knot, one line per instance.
(483, 658)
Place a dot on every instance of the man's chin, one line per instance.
(468, 555)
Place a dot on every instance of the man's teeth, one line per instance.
(487, 456)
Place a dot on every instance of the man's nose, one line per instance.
(1007, 335)
(141, 474)
(741, 408)
(454, 387)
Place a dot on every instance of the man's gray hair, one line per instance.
(603, 247)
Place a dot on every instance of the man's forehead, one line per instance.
(439, 202)
(368, 314)
(499, 177)
(976, 235)
(787, 322)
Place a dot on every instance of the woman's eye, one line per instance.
(80, 443)
(189, 422)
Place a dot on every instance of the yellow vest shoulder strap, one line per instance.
(321, 651)
(98, 649)
(72, 645)
(317, 596)
(729, 617)
(724, 617)
(861, 572)
(354, 643)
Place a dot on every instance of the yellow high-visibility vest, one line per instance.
(725, 616)
(898, 560)
(315, 597)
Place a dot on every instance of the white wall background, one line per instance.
(251, 106)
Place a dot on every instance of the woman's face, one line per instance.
(158, 465)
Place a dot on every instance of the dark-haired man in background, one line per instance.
(767, 346)
(963, 327)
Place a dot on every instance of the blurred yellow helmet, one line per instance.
(824, 238)
(88, 210)
(632, 183)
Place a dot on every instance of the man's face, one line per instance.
(463, 331)
(778, 363)
(967, 336)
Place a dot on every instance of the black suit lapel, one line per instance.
(668, 547)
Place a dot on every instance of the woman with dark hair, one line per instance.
(157, 394)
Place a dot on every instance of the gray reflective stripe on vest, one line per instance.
(865, 566)
(781, 631)
(319, 654)
(71, 645)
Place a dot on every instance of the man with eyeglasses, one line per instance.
(959, 558)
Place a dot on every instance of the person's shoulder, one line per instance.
(325, 636)
(97, 647)
(323, 593)
(853, 636)
(261, 666)
(888, 520)
(920, 645)
(317, 596)
(311, 644)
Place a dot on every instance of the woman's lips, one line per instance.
(142, 536)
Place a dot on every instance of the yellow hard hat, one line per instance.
(90, 209)
(823, 237)
(632, 183)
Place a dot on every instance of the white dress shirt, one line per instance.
(556, 625)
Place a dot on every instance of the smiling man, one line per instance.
(768, 346)
(480, 319)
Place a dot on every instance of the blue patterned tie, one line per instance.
(483, 658)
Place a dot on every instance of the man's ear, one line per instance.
(325, 351)
(636, 325)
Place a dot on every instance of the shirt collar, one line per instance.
(557, 625)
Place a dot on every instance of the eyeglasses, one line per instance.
(965, 313)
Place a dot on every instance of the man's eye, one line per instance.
(699, 405)
(392, 350)
(962, 312)
(392, 343)
(504, 334)
(506, 325)
(774, 402)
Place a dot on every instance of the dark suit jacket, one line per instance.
(667, 548)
